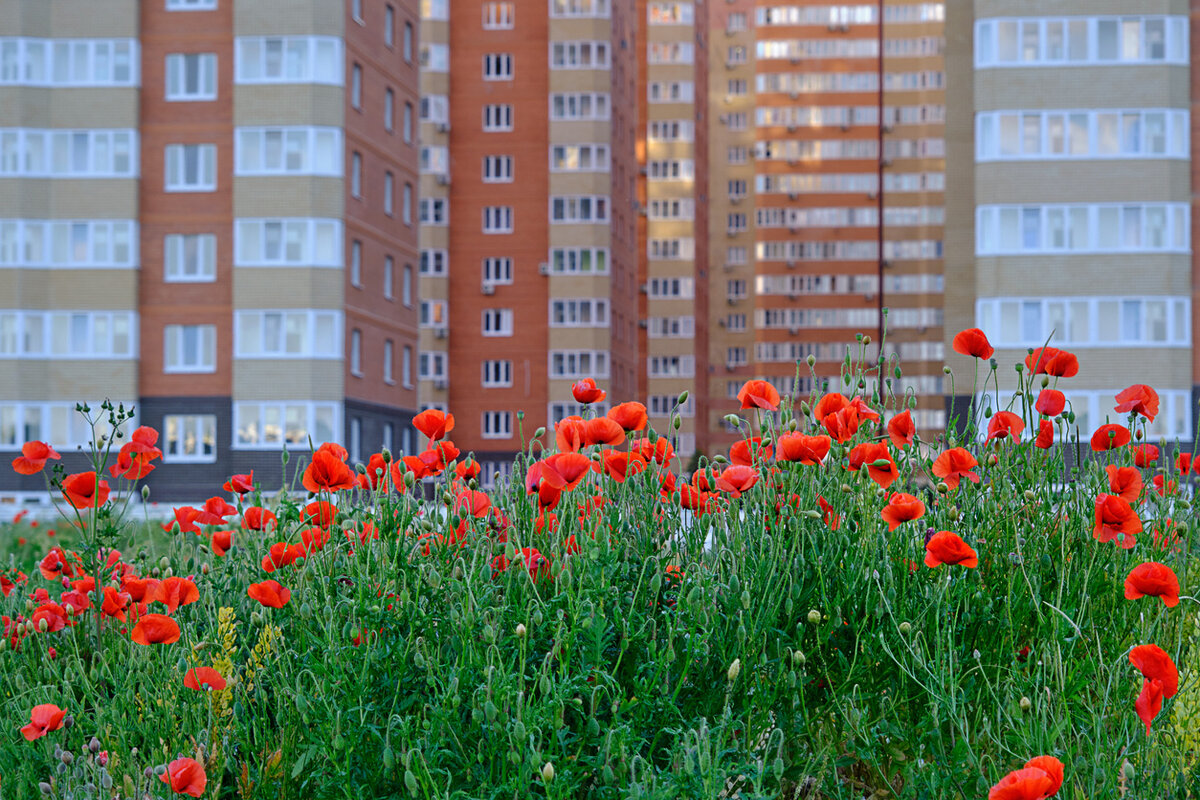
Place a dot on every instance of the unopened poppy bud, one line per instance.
(943, 487)
(67, 757)
(798, 657)
(866, 340)
(45, 788)
(547, 772)
(1026, 704)
(164, 562)
(993, 460)
(145, 493)
(520, 630)
(846, 488)
(69, 721)
(814, 617)
(386, 455)
(906, 628)
(881, 492)
(1030, 494)
(360, 468)
(539, 432)
(881, 463)
(683, 397)
(734, 669)
(976, 654)
(811, 360)
(676, 422)
(805, 409)
(409, 479)
(43, 625)
(732, 419)
(952, 513)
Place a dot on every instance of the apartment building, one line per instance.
(825, 195)
(1070, 199)
(528, 261)
(208, 210)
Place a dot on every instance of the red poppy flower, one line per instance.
(1029, 783)
(748, 452)
(573, 467)
(737, 479)
(185, 516)
(1155, 665)
(1125, 482)
(842, 424)
(1053, 362)
(631, 416)
(175, 592)
(257, 518)
(132, 466)
(1144, 454)
(43, 719)
(1184, 463)
(1050, 402)
(537, 564)
(954, 464)
(185, 776)
(1149, 702)
(864, 410)
(1005, 425)
(1116, 521)
(758, 394)
(222, 541)
(155, 629)
(945, 547)
(85, 490)
(1165, 487)
(585, 391)
(1152, 579)
(434, 423)
(376, 475)
(1138, 399)
(33, 458)
(327, 472)
(315, 538)
(901, 508)
(473, 503)
(270, 593)
(602, 430)
(115, 603)
(880, 466)
(215, 511)
(570, 434)
(1052, 767)
(54, 615)
(829, 404)
(320, 513)
(808, 450)
(58, 564)
(661, 451)
(240, 484)
(1045, 436)
(139, 589)
(694, 499)
(619, 465)
(200, 678)
(901, 430)
(973, 342)
(1109, 437)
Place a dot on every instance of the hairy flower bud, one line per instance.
(547, 772)
(734, 669)
(814, 617)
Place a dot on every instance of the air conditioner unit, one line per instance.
(794, 330)
(723, 119)
(488, 288)
(795, 59)
(889, 128)
(645, 288)
(872, 195)
(795, 95)
(869, 296)
(793, 196)
(885, 263)
(735, 199)
(791, 263)
(720, 323)
(833, 27)
(845, 127)
(845, 27)
(443, 180)
(792, 127)
(886, 162)
(443, 127)
(793, 228)
(643, 324)
(441, 384)
(731, 301)
(728, 99)
(729, 367)
(544, 268)
(441, 333)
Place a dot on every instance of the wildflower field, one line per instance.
(833, 609)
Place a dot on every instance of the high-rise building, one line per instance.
(1070, 197)
(208, 210)
(528, 224)
(825, 180)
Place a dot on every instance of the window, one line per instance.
(288, 333)
(735, 23)
(406, 367)
(669, 52)
(1083, 228)
(356, 352)
(670, 91)
(498, 16)
(356, 263)
(578, 364)
(52, 244)
(408, 41)
(388, 358)
(190, 258)
(190, 348)
(498, 67)
(671, 366)
(356, 175)
(190, 438)
(192, 76)
(675, 169)
(498, 117)
(389, 193)
(670, 287)
(497, 373)
(389, 26)
(389, 268)
(389, 113)
(435, 57)
(433, 262)
(406, 210)
(579, 105)
(498, 219)
(579, 158)
(579, 8)
(432, 366)
(57, 424)
(579, 55)
(191, 168)
(388, 436)
(288, 241)
(581, 313)
(1087, 321)
(497, 271)
(676, 13)
(1134, 133)
(497, 425)
(670, 249)
(288, 151)
(191, 5)
(356, 11)
(737, 155)
(68, 153)
(1075, 41)
(288, 59)
(497, 322)
(29, 61)
(579, 209)
(406, 285)
(433, 313)
(497, 169)
(67, 334)
(408, 123)
(670, 130)
(434, 211)
(671, 327)
(356, 87)
(269, 425)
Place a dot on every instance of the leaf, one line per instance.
(298, 767)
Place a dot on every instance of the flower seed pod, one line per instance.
(1026, 704)
(734, 669)
(906, 627)
(814, 617)
(520, 630)
(547, 772)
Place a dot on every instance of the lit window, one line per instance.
(190, 438)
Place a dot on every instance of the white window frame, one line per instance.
(356, 353)
(252, 143)
(288, 59)
(435, 262)
(498, 67)
(578, 312)
(177, 77)
(389, 278)
(498, 219)
(389, 358)
(991, 125)
(1035, 314)
(589, 209)
(571, 106)
(988, 41)
(497, 117)
(175, 247)
(57, 423)
(575, 364)
(496, 322)
(496, 425)
(315, 344)
(68, 243)
(497, 271)
(61, 62)
(583, 157)
(1100, 220)
(206, 168)
(82, 334)
(580, 54)
(497, 169)
(431, 365)
(570, 260)
(175, 357)
(499, 16)
(64, 153)
(309, 410)
(175, 429)
(496, 373)
(191, 5)
(319, 242)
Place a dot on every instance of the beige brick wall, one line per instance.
(576, 338)
(1083, 181)
(271, 379)
(258, 287)
(99, 198)
(35, 107)
(567, 183)
(1084, 275)
(288, 196)
(68, 380)
(289, 17)
(1047, 8)
(62, 289)
(1118, 86)
(577, 235)
(308, 104)
(68, 18)
(1108, 369)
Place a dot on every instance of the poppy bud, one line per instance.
(43, 625)
(865, 340)
(952, 513)
(409, 479)
(145, 493)
(539, 432)
(906, 628)
(846, 488)
(1030, 495)
(683, 397)
(805, 408)
(45, 788)
(798, 657)
(386, 455)
(286, 456)
(520, 630)
(676, 422)
(1026, 704)
(734, 669)
(547, 772)
(943, 487)
(814, 617)
(993, 460)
